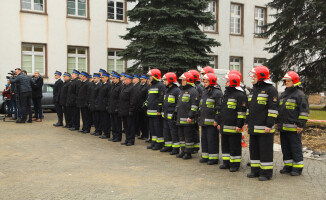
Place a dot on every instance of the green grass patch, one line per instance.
(317, 114)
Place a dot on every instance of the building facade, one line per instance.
(50, 35)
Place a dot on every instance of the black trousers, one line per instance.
(197, 137)
(116, 125)
(187, 138)
(210, 142)
(137, 125)
(59, 111)
(156, 129)
(25, 104)
(170, 133)
(67, 111)
(85, 114)
(75, 117)
(129, 126)
(292, 150)
(143, 123)
(231, 149)
(105, 123)
(261, 154)
(97, 121)
(37, 107)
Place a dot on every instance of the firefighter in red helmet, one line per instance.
(261, 116)
(293, 115)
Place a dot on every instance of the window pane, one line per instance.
(81, 7)
(71, 7)
(111, 53)
(111, 65)
(81, 64)
(71, 64)
(38, 5)
(27, 63)
(27, 47)
(38, 48)
(39, 64)
(26, 4)
(82, 51)
(72, 50)
(120, 64)
(111, 10)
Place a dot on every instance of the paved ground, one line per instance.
(39, 161)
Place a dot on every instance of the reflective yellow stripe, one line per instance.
(159, 141)
(289, 129)
(153, 92)
(272, 115)
(168, 145)
(194, 109)
(213, 158)
(263, 131)
(159, 104)
(298, 166)
(217, 112)
(290, 107)
(262, 98)
(249, 99)
(288, 164)
(226, 158)
(235, 160)
(154, 139)
(204, 156)
(185, 99)
(151, 113)
(241, 116)
(183, 122)
(232, 103)
(255, 165)
(290, 104)
(266, 167)
(182, 145)
(196, 146)
(303, 117)
(171, 100)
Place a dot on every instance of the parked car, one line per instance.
(47, 100)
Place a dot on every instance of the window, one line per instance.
(213, 61)
(33, 58)
(77, 8)
(259, 61)
(212, 7)
(33, 5)
(260, 19)
(77, 59)
(114, 62)
(236, 19)
(116, 10)
(236, 63)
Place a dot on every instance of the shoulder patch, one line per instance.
(263, 92)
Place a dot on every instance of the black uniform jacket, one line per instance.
(170, 101)
(187, 106)
(210, 105)
(57, 90)
(127, 101)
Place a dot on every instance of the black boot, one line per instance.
(203, 160)
(212, 162)
(150, 146)
(264, 178)
(166, 149)
(226, 165)
(254, 173)
(286, 170)
(296, 172)
(175, 151)
(157, 146)
(181, 154)
(187, 156)
(233, 169)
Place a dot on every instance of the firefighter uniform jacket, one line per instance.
(127, 101)
(293, 110)
(103, 97)
(155, 98)
(170, 101)
(73, 92)
(94, 96)
(81, 100)
(64, 93)
(233, 111)
(143, 95)
(263, 108)
(210, 105)
(114, 98)
(187, 106)
(199, 88)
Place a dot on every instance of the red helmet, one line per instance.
(188, 77)
(155, 73)
(207, 69)
(237, 72)
(170, 77)
(234, 80)
(293, 76)
(262, 72)
(196, 74)
(212, 79)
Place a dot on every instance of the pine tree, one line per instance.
(168, 35)
(298, 41)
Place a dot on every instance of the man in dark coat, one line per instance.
(63, 99)
(82, 102)
(92, 104)
(37, 95)
(56, 97)
(127, 108)
(71, 101)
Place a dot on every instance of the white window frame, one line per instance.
(234, 18)
(115, 10)
(115, 58)
(260, 21)
(76, 56)
(233, 63)
(33, 54)
(212, 7)
(32, 6)
(259, 61)
(76, 9)
(214, 61)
